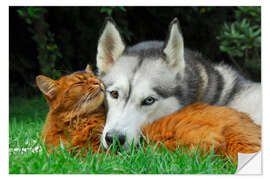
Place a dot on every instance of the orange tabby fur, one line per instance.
(72, 119)
(228, 130)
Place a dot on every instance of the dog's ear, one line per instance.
(174, 47)
(47, 86)
(110, 46)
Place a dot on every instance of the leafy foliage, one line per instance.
(64, 39)
(48, 52)
(241, 40)
(109, 10)
(239, 37)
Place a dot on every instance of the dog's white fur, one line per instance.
(135, 82)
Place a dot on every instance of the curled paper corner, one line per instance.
(249, 163)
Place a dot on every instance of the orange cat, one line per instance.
(228, 130)
(77, 117)
(77, 111)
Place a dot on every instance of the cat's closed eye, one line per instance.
(81, 82)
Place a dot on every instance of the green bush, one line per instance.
(109, 10)
(241, 40)
(48, 52)
(50, 40)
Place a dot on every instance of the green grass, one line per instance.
(26, 119)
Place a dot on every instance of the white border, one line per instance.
(137, 2)
(4, 74)
(4, 90)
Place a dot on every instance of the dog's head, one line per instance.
(142, 82)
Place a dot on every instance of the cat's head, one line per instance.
(80, 92)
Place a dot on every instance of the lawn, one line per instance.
(25, 123)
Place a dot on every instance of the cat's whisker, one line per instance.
(94, 94)
(79, 102)
(89, 96)
(75, 106)
(70, 115)
(82, 101)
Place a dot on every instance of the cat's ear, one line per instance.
(47, 85)
(88, 70)
(110, 46)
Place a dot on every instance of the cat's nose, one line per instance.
(102, 87)
(99, 84)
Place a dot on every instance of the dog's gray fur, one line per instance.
(174, 76)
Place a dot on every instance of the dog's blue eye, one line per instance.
(148, 101)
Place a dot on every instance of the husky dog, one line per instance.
(153, 79)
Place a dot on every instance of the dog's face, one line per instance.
(140, 82)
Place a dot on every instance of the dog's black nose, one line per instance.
(122, 139)
(111, 136)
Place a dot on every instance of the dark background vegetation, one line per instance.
(58, 40)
